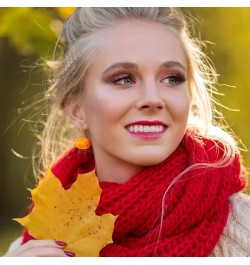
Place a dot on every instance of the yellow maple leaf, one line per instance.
(69, 215)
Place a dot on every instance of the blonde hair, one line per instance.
(80, 34)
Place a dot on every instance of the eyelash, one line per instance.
(121, 77)
(179, 78)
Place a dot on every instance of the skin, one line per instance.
(138, 73)
(39, 248)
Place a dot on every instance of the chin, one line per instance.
(151, 159)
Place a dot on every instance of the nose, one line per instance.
(150, 97)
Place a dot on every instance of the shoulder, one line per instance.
(235, 240)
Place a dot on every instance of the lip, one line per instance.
(146, 122)
(148, 135)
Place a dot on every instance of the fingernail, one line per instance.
(69, 254)
(61, 243)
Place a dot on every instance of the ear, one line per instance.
(77, 116)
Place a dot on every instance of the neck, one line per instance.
(114, 170)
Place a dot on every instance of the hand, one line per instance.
(41, 248)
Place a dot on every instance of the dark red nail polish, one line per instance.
(61, 244)
(69, 253)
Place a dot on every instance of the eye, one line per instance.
(174, 79)
(123, 79)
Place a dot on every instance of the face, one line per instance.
(136, 102)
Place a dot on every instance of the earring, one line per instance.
(82, 143)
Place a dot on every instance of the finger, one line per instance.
(43, 252)
(36, 244)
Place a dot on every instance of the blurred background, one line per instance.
(28, 35)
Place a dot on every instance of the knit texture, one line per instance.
(195, 209)
(235, 240)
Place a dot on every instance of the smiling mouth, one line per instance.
(146, 128)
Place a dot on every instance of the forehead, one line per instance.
(129, 40)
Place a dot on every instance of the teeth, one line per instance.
(145, 128)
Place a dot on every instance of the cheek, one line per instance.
(183, 111)
(179, 106)
(103, 109)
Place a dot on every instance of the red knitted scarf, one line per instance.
(195, 209)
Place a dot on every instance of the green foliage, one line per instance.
(30, 30)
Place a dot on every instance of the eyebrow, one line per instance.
(124, 65)
(170, 64)
(128, 65)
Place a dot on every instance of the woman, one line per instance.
(139, 87)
